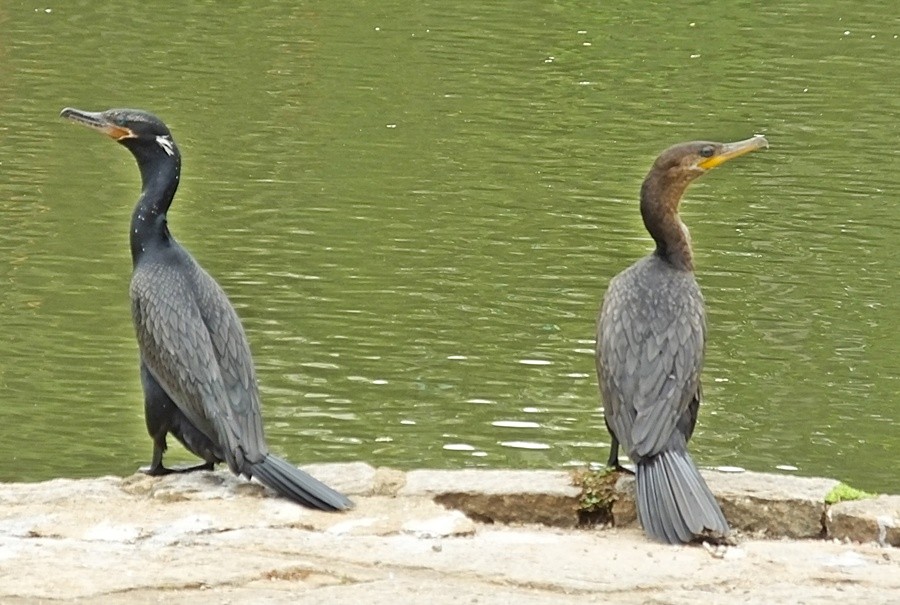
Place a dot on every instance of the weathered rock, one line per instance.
(755, 503)
(387, 515)
(197, 485)
(451, 523)
(351, 478)
(354, 478)
(388, 481)
(59, 490)
(624, 508)
(211, 538)
(772, 505)
(870, 520)
(545, 497)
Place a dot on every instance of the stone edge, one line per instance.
(755, 504)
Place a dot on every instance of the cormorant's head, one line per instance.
(687, 161)
(131, 127)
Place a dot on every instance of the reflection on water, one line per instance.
(416, 211)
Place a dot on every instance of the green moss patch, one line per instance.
(844, 493)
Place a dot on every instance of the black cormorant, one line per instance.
(651, 336)
(196, 370)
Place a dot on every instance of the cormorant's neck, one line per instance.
(160, 173)
(660, 197)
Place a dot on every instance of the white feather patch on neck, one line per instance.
(167, 144)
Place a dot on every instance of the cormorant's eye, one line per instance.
(707, 151)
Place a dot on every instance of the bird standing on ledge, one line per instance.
(196, 370)
(651, 336)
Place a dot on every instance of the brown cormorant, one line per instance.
(651, 336)
(196, 370)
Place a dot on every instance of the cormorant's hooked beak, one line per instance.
(729, 151)
(97, 121)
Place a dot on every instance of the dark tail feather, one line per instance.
(674, 504)
(294, 484)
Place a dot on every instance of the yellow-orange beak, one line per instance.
(97, 121)
(733, 150)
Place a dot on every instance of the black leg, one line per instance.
(613, 462)
(157, 414)
(163, 417)
(156, 468)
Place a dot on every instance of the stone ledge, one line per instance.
(755, 504)
(876, 520)
(766, 505)
(543, 497)
(776, 506)
(208, 538)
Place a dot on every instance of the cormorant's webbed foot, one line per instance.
(159, 470)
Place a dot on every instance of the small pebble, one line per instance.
(717, 552)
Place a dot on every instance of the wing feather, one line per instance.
(650, 346)
(192, 342)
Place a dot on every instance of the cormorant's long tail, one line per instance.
(294, 484)
(673, 501)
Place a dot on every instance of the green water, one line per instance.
(416, 208)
